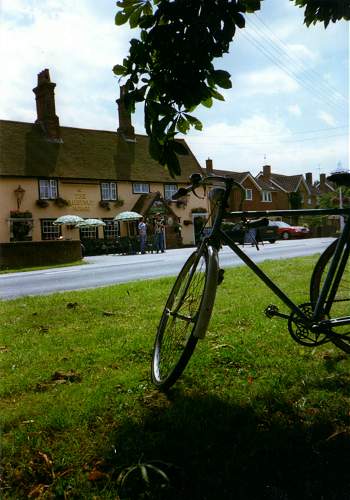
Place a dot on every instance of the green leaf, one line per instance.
(134, 18)
(239, 20)
(121, 18)
(222, 78)
(118, 69)
(217, 95)
(180, 149)
(182, 125)
(194, 122)
(207, 102)
(155, 149)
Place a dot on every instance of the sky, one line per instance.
(288, 107)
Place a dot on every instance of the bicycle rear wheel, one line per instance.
(185, 317)
(341, 303)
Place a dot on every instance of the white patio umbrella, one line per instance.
(90, 223)
(128, 216)
(71, 220)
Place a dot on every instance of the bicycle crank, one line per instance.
(302, 332)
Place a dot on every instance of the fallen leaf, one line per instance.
(108, 313)
(4, 348)
(96, 475)
(37, 491)
(46, 459)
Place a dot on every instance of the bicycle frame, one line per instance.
(334, 275)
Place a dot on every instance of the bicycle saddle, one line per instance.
(340, 178)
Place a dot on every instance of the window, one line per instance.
(140, 188)
(49, 231)
(266, 196)
(48, 189)
(111, 229)
(108, 191)
(249, 194)
(169, 190)
(88, 233)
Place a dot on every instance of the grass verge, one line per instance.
(255, 415)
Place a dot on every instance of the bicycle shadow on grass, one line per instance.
(212, 449)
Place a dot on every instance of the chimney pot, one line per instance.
(125, 126)
(209, 166)
(267, 171)
(308, 178)
(45, 106)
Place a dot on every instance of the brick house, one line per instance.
(256, 194)
(48, 170)
(293, 191)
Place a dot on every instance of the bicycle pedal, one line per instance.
(221, 276)
(271, 311)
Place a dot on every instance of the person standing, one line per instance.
(159, 233)
(142, 227)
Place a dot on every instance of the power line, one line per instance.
(306, 85)
(313, 75)
(277, 142)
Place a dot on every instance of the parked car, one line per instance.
(268, 233)
(286, 231)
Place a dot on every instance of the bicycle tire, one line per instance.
(185, 317)
(340, 306)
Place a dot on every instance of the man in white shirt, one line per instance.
(142, 227)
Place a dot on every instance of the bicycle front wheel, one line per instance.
(185, 317)
(341, 304)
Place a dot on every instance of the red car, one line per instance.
(286, 231)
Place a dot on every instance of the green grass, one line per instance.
(40, 268)
(254, 416)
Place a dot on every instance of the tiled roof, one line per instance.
(266, 185)
(289, 183)
(241, 176)
(83, 154)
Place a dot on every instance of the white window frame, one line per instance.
(109, 191)
(49, 231)
(266, 196)
(89, 233)
(111, 230)
(169, 191)
(48, 189)
(140, 188)
(249, 194)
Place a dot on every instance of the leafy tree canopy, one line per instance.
(332, 200)
(170, 66)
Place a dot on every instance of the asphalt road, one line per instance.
(106, 270)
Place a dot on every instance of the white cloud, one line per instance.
(260, 139)
(80, 53)
(327, 118)
(294, 109)
(267, 81)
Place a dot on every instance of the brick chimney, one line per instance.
(209, 166)
(322, 180)
(45, 106)
(308, 178)
(267, 171)
(125, 129)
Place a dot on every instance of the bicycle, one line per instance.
(188, 309)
